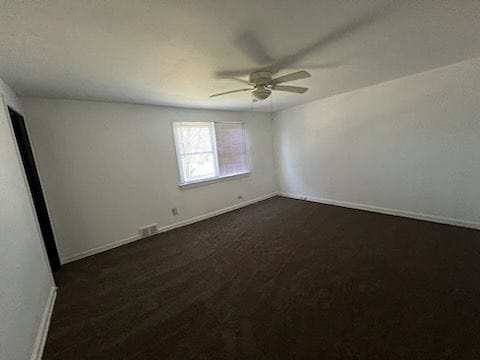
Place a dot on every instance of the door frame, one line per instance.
(33, 179)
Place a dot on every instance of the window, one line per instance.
(210, 150)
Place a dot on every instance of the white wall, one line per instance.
(411, 144)
(109, 168)
(25, 278)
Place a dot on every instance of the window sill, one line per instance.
(211, 181)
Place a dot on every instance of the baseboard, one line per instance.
(99, 249)
(387, 211)
(161, 229)
(44, 325)
(215, 213)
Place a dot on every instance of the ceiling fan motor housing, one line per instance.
(260, 78)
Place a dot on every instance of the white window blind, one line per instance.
(209, 150)
(231, 148)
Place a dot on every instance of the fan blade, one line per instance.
(235, 78)
(290, 77)
(230, 92)
(295, 89)
(246, 82)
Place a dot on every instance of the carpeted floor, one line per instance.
(280, 279)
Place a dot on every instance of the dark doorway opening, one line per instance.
(23, 141)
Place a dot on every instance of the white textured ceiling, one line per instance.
(174, 52)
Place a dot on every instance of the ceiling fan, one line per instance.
(261, 79)
(262, 84)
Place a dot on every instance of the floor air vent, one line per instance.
(148, 230)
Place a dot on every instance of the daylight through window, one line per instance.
(209, 150)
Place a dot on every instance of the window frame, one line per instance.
(182, 184)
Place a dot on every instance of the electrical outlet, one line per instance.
(240, 197)
(174, 211)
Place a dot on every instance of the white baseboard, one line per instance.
(215, 213)
(99, 249)
(44, 325)
(388, 211)
(161, 229)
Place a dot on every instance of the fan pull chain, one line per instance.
(251, 110)
(271, 106)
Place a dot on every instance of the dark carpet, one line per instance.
(280, 279)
